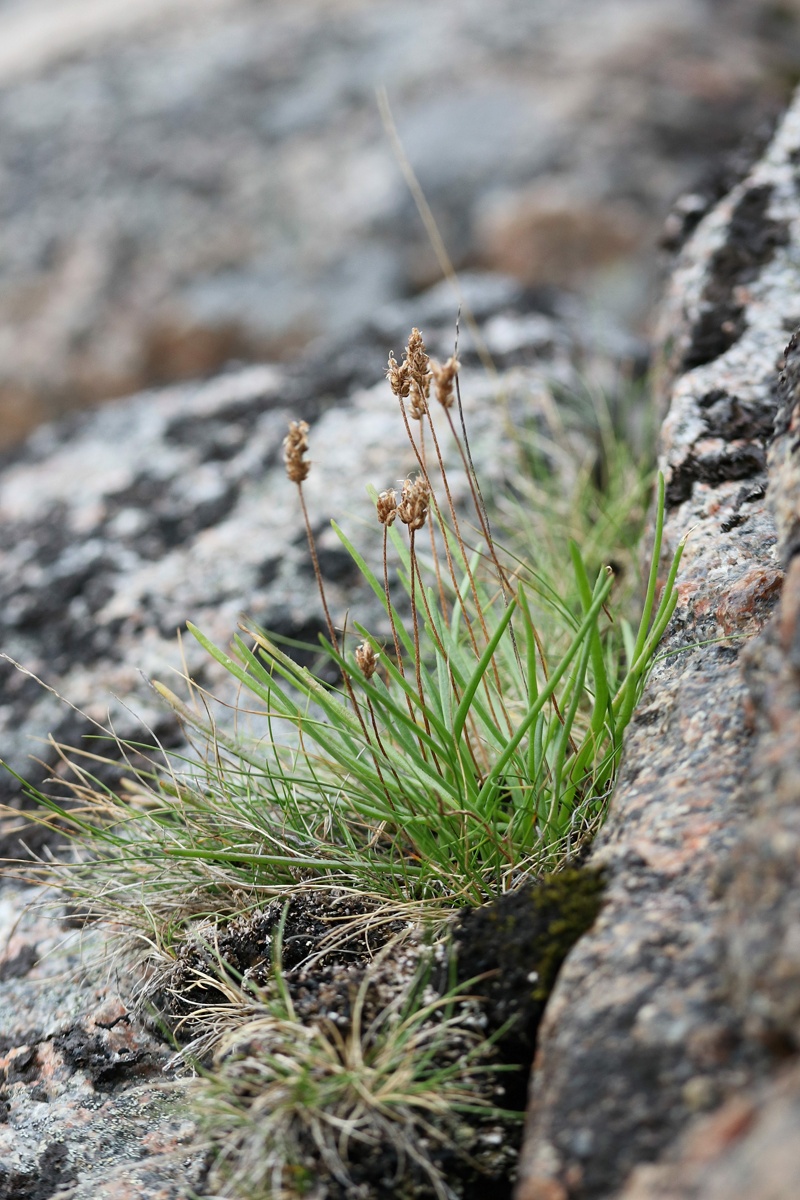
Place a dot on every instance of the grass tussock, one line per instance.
(401, 1089)
(471, 742)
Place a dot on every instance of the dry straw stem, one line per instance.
(391, 1085)
(432, 230)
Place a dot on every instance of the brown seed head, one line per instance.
(444, 379)
(295, 445)
(413, 507)
(398, 376)
(386, 507)
(419, 368)
(366, 659)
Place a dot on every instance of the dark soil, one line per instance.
(329, 938)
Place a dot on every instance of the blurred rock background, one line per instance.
(187, 183)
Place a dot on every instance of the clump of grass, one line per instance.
(465, 751)
(395, 1092)
(476, 743)
(472, 742)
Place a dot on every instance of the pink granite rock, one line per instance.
(688, 987)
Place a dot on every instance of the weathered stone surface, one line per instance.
(662, 1010)
(745, 1150)
(83, 1104)
(185, 184)
(760, 882)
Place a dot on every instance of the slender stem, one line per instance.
(335, 642)
(420, 456)
(472, 584)
(435, 506)
(415, 623)
(312, 547)
(440, 586)
(395, 638)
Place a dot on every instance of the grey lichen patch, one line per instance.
(751, 240)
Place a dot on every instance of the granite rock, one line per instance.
(684, 998)
(88, 1102)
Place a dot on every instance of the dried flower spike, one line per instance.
(444, 378)
(413, 507)
(295, 445)
(417, 404)
(367, 660)
(419, 368)
(419, 365)
(398, 376)
(386, 507)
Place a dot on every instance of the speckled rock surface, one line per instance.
(685, 994)
(185, 184)
(760, 882)
(747, 1148)
(87, 1105)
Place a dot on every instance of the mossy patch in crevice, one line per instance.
(522, 939)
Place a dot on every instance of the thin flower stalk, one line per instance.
(416, 366)
(386, 508)
(459, 539)
(412, 511)
(295, 449)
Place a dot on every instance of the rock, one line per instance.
(746, 1149)
(190, 184)
(686, 994)
(82, 1098)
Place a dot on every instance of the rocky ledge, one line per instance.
(665, 1062)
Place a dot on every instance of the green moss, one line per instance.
(522, 938)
